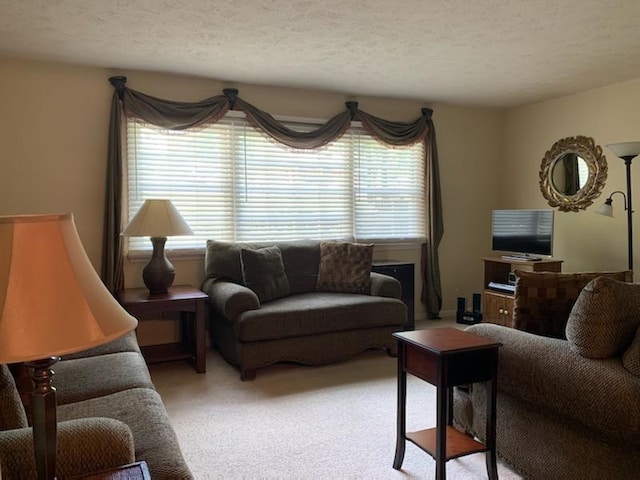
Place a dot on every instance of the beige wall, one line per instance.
(584, 240)
(54, 126)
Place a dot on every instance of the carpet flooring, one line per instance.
(297, 422)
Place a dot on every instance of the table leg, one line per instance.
(187, 327)
(402, 409)
(450, 406)
(201, 362)
(492, 390)
(442, 396)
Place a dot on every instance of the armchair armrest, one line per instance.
(229, 298)
(84, 446)
(385, 286)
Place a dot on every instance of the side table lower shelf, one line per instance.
(458, 444)
(166, 352)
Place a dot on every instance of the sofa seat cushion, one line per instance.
(316, 313)
(84, 378)
(142, 410)
(548, 375)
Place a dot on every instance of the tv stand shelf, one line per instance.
(497, 304)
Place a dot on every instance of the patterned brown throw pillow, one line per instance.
(605, 318)
(345, 267)
(543, 300)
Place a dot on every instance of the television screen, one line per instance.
(528, 232)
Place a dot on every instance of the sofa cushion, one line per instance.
(604, 318)
(126, 343)
(12, 413)
(300, 259)
(89, 377)
(631, 357)
(316, 313)
(345, 267)
(222, 260)
(543, 300)
(142, 410)
(263, 272)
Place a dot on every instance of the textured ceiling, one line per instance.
(471, 52)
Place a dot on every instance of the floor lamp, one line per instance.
(627, 151)
(52, 303)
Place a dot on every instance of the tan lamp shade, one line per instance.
(52, 301)
(157, 218)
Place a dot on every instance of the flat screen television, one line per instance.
(525, 233)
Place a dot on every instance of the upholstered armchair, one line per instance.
(543, 300)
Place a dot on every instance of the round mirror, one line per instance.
(573, 173)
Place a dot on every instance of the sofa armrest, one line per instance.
(84, 446)
(229, 298)
(547, 374)
(385, 286)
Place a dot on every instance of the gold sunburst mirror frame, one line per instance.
(573, 173)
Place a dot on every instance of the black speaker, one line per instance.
(462, 305)
(474, 316)
(477, 303)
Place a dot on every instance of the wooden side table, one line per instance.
(133, 471)
(446, 357)
(187, 300)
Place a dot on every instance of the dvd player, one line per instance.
(503, 286)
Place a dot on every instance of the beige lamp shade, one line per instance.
(157, 218)
(52, 301)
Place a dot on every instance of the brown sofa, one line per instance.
(291, 307)
(567, 408)
(109, 414)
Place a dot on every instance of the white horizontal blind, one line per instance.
(389, 190)
(231, 183)
(289, 194)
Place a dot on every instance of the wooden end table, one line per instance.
(187, 300)
(446, 357)
(133, 471)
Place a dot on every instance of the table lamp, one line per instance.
(158, 219)
(52, 303)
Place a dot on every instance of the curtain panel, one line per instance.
(182, 115)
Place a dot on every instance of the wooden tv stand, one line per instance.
(498, 303)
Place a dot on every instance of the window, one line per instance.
(232, 183)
